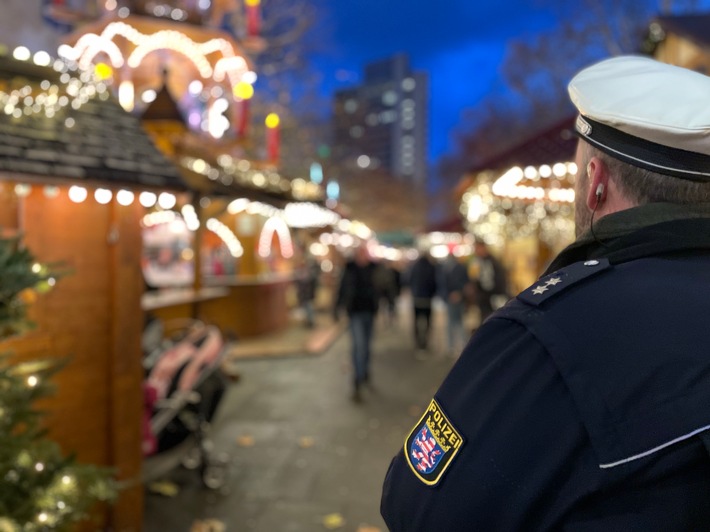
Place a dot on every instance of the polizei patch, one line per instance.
(432, 445)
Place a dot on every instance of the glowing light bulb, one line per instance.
(77, 194)
(243, 90)
(124, 197)
(272, 120)
(166, 200)
(147, 199)
(103, 195)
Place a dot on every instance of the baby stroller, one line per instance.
(183, 387)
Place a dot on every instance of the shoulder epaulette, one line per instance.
(559, 281)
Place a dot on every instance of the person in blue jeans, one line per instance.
(454, 285)
(358, 294)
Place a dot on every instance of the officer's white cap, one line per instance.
(646, 113)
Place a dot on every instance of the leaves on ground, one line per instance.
(306, 442)
(245, 440)
(164, 488)
(333, 521)
(208, 525)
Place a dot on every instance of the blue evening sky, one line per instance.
(460, 43)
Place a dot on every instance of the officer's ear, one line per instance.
(598, 179)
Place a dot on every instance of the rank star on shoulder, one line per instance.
(554, 281)
(539, 290)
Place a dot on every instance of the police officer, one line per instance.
(584, 403)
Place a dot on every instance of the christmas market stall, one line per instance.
(521, 202)
(76, 175)
(191, 82)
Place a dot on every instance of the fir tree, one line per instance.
(40, 488)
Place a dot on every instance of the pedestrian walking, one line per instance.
(491, 281)
(358, 295)
(582, 404)
(422, 285)
(306, 287)
(454, 285)
(389, 286)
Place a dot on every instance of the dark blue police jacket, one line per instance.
(584, 404)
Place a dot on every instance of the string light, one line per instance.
(227, 236)
(147, 199)
(45, 98)
(159, 217)
(167, 200)
(277, 225)
(103, 195)
(502, 207)
(124, 197)
(231, 64)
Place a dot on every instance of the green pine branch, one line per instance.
(40, 488)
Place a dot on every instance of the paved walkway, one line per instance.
(303, 456)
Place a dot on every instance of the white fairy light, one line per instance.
(166, 200)
(147, 199)
(77, 194)
(227, 236)
(103, 195)
(21, 53)
(124, 197)
(277, 225)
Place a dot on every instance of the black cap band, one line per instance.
(636, 151)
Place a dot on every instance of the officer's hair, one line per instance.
(642, 186)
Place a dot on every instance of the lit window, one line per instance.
(389, 98)
(408, 104)
(388, 117)
(408, 84)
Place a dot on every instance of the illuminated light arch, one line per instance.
(277, 225)
(227, 236)
(232, 67)
(88, 46)
(508, 185)
(171, 40)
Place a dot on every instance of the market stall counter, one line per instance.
(254, 305)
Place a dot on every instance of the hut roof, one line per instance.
(65, 129)
(555, 144)
(692, 27)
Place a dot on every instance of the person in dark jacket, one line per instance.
(358, 294)
(491, 283)
(454, 286)
(422, 285)
(582, 404)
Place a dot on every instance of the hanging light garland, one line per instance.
(534, 201)
(73, 90)
(229, 169)
(231, 64)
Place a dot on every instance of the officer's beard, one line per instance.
(582, 215)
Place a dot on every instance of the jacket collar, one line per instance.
(647, 230)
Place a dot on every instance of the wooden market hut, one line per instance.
(253, 300)
(518, 206)
(682, 40)
(72, 163)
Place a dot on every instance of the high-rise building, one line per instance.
(384, 121)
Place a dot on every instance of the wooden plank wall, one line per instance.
(93, 317)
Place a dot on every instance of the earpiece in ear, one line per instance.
(599, 191)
